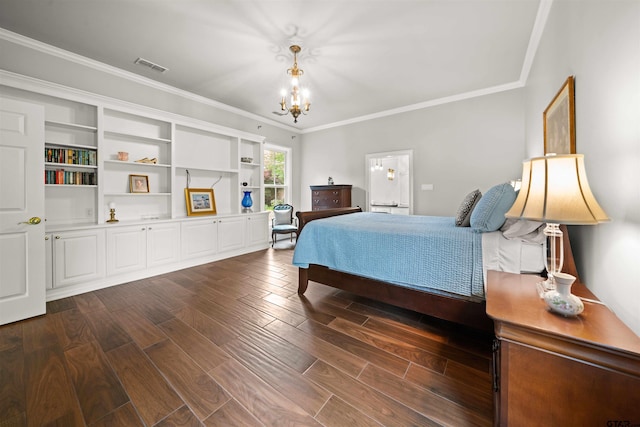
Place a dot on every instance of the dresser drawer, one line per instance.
(330, 196)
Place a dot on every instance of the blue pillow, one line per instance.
(488, 215)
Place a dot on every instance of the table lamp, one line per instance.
(555, 190)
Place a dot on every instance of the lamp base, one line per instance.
(562, 301)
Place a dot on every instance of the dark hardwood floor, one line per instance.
(231, 343)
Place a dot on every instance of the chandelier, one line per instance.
(299, 102)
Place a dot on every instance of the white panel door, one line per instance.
(163, 244)
(257, 229)
(199, 238)
(126, 249)
(231, 233)
(22, 252)
(78, 257)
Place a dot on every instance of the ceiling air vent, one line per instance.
(152, 65)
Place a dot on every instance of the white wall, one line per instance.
(599, 43)
(457, 147)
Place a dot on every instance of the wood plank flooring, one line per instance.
(231, 343)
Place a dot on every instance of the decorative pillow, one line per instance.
(463, 216)
(488, 215)
(282, 216)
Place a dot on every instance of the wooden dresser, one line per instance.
(557, 371)
(330, 197)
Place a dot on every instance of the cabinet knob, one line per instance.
(46, 237)
(57, 237)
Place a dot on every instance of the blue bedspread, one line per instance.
(422, 252)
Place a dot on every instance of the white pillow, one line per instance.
(282, 217)
(523, 229)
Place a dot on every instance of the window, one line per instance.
(276, 176)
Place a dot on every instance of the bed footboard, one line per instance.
(305, 216)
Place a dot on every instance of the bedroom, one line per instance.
(485, 136)
(508, 123)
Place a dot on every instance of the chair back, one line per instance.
(283, 214)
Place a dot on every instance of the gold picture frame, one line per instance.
(200, 201)
(138, 184)
(560, 121)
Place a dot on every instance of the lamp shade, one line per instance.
(555, 190)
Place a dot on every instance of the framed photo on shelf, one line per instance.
(200, 201)
(138, 184)
(560, 121)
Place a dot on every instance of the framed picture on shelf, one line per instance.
(200, 201)
(138, 184)
(560, 121)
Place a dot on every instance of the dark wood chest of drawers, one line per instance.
(330, 196)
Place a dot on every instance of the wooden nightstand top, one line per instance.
(514, 305)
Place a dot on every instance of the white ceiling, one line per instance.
(360, 57)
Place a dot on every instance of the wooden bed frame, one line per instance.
(445, 307)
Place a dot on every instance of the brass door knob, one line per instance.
(34, 220)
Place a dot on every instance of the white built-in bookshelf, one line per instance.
(84, 176)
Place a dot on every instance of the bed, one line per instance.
(461, 300)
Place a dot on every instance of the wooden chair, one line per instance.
(283, 222)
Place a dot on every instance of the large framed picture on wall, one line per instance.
(560, 121)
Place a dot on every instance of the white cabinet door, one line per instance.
(22, 251)
(48, 261)
(257, 229)
(199, 238)
(78, 257)
(163, 244)
(126, 249)
(231, 233)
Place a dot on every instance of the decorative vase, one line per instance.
(562, 300)
(247, 202)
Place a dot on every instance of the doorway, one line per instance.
(390, 182)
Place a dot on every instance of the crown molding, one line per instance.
(43, 87)
(118, 72)
(534, 40)
(421, 105)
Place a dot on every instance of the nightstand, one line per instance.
(552, 370)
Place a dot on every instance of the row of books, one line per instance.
(70, 156)
(63, 177)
